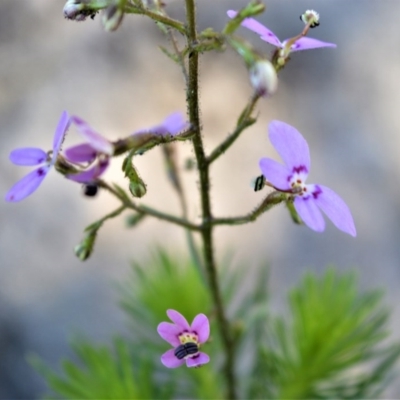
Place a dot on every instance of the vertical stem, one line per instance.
(207, 227)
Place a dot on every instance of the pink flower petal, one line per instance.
(178, 319)
(201, 326)
(170, 360)
(81, 153)
(200, 359)
(275, 173)
(175, 123)
(307, 43)
(90, 174)
(62, 127)
(309, 213)
(97, 141)
(257, 27)
(336, 210)
(27, 185)
(290, 144)
(169, 332)
(28, 156)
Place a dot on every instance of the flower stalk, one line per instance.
(192, 95)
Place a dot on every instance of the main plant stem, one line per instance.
(207, 227)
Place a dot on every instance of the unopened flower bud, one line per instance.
(112, 18)
(310, 17)
(73, 9)
(85, 248)
(137, 188)
(263, 78)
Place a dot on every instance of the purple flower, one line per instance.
(303, 43)
(308, 199)
(172, 125)
(35, 156)
(96, 147)
(186, 340)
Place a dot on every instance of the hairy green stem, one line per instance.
(142, 209)
(131, 9)
(271, 200)
(244, 122)
(207, 227)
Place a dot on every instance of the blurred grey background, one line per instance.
(344, 101)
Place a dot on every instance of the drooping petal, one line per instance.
(90, 174)
(62, 127)
(306, 43)
(255, 26)
(198, 360)
(169, 332)
(81, 153)
(291, 145)
(336, 210)
(178, 319)
(201, 326)
(175, 123)
(309, 213)
(170, 360)
(97, 141)
(275, 173)
(28, 156)
(27, 185)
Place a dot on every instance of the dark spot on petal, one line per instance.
(41, 171)
(299, 169)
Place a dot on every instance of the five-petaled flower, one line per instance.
(308, 199)
(96, 147)
(35, 156)
(186, 340)
(302, 43)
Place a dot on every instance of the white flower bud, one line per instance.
(263, 78)
(310, 17)
(73, 9)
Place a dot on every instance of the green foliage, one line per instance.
(166, 282)
(331, 346)
(103, 374)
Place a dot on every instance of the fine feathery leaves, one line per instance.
(332, 345)
(102, 374)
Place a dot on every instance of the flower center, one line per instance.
(188, 337)
(189, 347)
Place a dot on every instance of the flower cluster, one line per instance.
(95, 153)
(186, 340)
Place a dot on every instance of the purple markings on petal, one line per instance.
(307, 43)
(170, 360)
(290, 145)
(198, 360)
(260, 29)
(81, 153)
(27, 185)
(62, 127)
(97, 141)
(28, 156)
(201, 327)
(336, 210)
